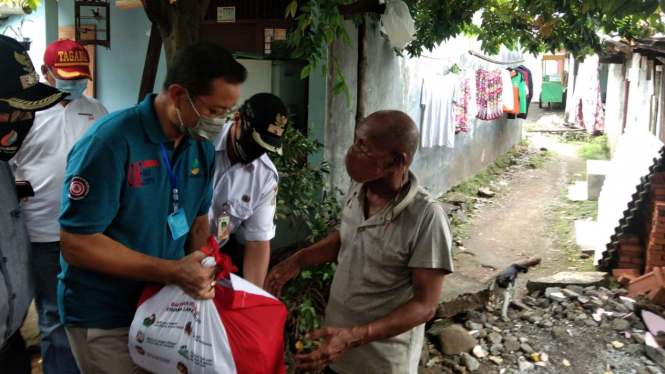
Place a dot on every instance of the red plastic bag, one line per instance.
(240, 331)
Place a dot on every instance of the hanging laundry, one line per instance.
(508, 93)
(439, 95)
(589, 112)
(514, 88)
(528, 79)
(464, 107)
(523, 86)
(489, 94)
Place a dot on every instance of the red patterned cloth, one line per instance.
(489, 94)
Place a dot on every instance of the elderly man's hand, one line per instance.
(336, 342)
(280, 274)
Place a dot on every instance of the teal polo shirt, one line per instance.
(117, 184)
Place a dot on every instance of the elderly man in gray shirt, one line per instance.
(21, 95)
(393, 252)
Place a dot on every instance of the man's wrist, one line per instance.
(359, 335)
(300, 259)
(170, 271)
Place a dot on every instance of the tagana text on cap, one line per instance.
(68, 60)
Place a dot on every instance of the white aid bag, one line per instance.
(241, 330)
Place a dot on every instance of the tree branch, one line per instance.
(362, 6)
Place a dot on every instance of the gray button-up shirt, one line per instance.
(15, 282)
(373, 276)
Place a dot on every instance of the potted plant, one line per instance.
(18, 32)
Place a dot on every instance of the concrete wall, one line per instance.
(286, 84)
(614, 105)
(642, 107)
(603, 75)
(639, 94)
(396, 83)
(316, 113)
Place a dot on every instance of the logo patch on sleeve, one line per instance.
(78, 188)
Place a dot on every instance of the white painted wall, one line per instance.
(259, 78)
(638, 98)
(614, 106)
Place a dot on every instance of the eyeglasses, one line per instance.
(358, 148)
(217, 114)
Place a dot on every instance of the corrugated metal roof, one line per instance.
(650, 44)
(633, 216)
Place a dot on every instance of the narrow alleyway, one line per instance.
(532, 216)
(517, 225)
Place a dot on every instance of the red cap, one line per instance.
(68, 60)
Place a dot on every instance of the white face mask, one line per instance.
(75, 87)
(205, 129)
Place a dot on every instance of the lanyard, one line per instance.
(174, 180)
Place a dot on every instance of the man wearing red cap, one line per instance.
(42, 161)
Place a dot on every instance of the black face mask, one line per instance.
(248, 149)
(12, 135)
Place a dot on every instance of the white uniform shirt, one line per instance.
(42, 161)
(249, 191)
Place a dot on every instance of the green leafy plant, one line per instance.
(533, 26)
(32, 4)
(304, 198)
(306, 202)
(319, 24)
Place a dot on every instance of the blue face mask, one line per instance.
(75, 87)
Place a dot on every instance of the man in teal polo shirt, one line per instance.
(135, 205)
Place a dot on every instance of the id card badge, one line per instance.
(178, 224)
(223, 223)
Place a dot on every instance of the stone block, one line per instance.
(567, 278)
(461, 294)
(595, 177)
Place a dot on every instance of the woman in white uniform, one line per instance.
(245, 184)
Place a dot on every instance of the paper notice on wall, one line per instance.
(280, 34)
(226, 14)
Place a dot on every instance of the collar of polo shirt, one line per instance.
(381, 218)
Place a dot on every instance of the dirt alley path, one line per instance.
(514, 226)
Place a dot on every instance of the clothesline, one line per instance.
(440, 58)
(483, 57)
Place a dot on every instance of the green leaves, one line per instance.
(294, 8)
(330, 35)
(305, 72)
(534, 26)
(624, 8)
(303, 197)
(319, 25)
(32, 4)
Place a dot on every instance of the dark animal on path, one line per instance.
(504, 286)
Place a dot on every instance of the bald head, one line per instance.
(394, 130)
